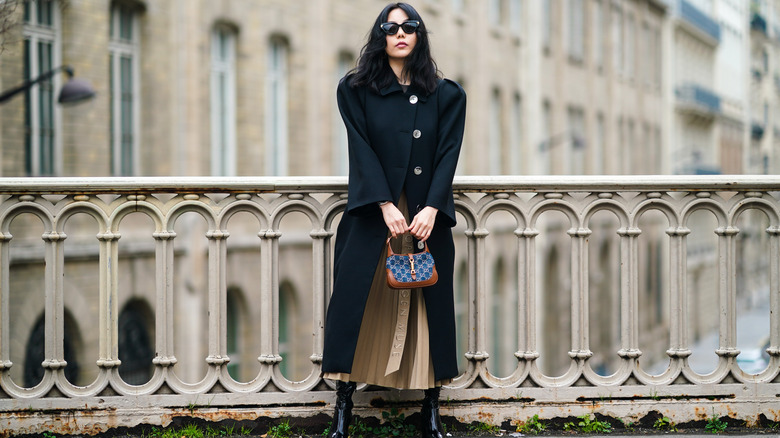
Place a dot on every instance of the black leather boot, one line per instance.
(431, 422)
(339, 428)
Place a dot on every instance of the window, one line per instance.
(576, 29)
(457, 6)
(461, 169)
(223, 101)
(657, 151)
(619, 150)
(340, 149)
(42, 53)
(124, 49)
(276, 108)
(617, 38)
(516, 16)
(765, 60)
(35, 354)
(135, 343)
(543, 165)
(495, 138)
(577, 141)
(597, 39)
(629, 47)
(547, 24)
(644, 159)
(496, 13)
(598, 145)
(631, 150)
(645, 67)
(658, 58)
(516, 136)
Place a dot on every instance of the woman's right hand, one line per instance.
(394, 219)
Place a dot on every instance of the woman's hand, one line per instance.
(422, 224)
(394, 219)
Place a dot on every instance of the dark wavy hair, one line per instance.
(373, 67)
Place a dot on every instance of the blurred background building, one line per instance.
(247, 87)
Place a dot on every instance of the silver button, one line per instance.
(418, 170)
(421, 245)
(412, 99)
(416, 133)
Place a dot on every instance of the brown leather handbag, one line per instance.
(412, 270)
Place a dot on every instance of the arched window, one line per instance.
(135, 343)
(223, 101)
(35, 353)
(276, 108)
(42, 52)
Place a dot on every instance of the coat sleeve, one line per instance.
(367, 181)
(452, 117)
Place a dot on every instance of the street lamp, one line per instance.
(577, 141)
(74, 91)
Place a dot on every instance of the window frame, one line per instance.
(34, 34)
(276, 102)
(119, 50)
(222, 101)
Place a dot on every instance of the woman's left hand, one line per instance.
(422, 224)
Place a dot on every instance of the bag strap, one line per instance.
(390, 249)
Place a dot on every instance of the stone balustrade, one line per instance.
(629, 393)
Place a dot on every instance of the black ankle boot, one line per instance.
(339, 428)
(431, 422)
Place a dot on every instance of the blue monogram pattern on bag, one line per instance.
(402, 270)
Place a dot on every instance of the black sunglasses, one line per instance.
(408, 27)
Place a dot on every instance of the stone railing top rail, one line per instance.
(209, 184)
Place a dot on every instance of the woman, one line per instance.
(405, 127)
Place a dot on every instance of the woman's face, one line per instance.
(400, 45)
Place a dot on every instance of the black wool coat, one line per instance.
(398, 142)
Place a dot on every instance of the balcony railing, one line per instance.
(691, 14)
(696, 96)
(629, 391)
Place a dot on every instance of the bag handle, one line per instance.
(390, 249)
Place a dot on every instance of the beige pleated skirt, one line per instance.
(393, 348)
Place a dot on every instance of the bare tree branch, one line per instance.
(8, 20)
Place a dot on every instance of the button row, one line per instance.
(416, 133)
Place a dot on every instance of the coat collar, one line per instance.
(396, 87)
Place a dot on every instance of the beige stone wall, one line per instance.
(12, 124)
